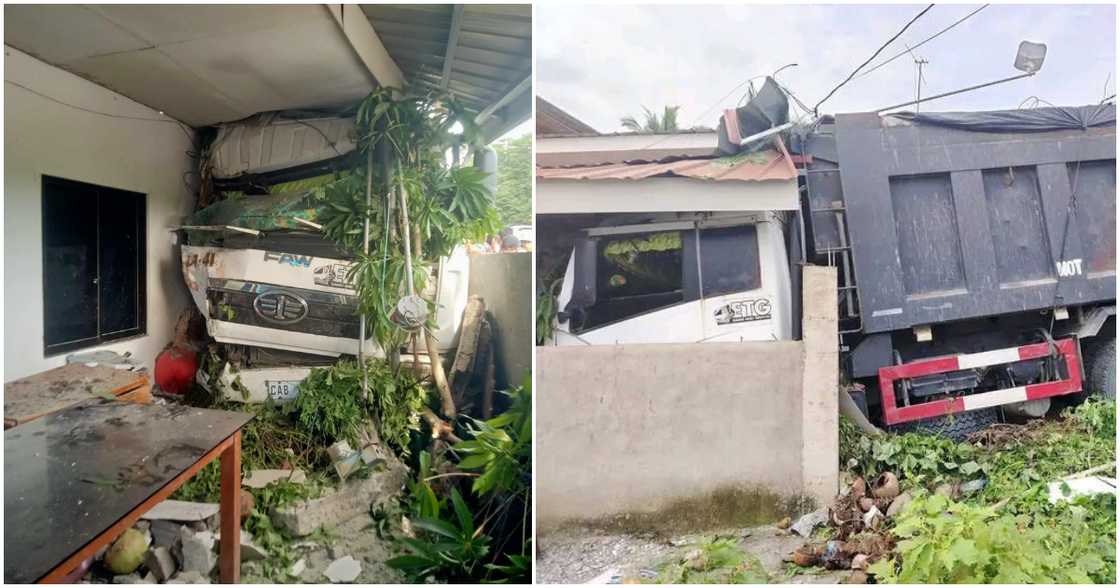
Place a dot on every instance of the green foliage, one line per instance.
(446, 205)
(949, 542)
(514, 193)
(546, 311)
(498, 455)
(714, 561)
(501, 448)
(914, 457)
(331, 408)
(454, 550)
(329, 404)
(666, 123)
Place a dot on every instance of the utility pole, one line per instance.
(918, 99)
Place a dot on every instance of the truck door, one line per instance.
(744, 283)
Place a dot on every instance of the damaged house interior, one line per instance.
(250, 334)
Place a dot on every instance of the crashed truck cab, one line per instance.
(271, 287)
(279, 294)
(682, 252)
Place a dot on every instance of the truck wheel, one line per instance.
(1101, 370)
(955, 426)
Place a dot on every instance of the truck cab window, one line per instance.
(636, 273)
(729, 260)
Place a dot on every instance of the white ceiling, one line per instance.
(201, 64)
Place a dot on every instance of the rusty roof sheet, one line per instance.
(760, 166)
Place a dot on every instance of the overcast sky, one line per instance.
(600, 63)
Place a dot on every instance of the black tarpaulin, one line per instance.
(767, 109)
(1019, 121)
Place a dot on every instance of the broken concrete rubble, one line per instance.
(344, 459)
(189, 578)
(345, 569)
(179, 510)
(161, 563)
(261, 478)
(198, 551)
(335, 506)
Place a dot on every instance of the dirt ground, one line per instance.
(581, 554)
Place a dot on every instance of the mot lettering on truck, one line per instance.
(741, 311)
(1068, 267)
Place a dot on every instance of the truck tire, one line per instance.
(1101, 369)
(954, 426)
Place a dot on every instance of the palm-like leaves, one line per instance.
(666, 123)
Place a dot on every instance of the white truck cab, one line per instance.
(678, 278)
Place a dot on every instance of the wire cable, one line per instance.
(936, 35)
(90, 110)
(816, 107)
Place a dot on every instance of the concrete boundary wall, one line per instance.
(633, 428)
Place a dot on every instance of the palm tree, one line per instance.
(667, 123)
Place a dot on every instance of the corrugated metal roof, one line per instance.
(553, 121)
(492, 50)
(771, 164)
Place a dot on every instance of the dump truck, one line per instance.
(976, 255)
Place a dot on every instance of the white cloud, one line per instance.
(603, 62)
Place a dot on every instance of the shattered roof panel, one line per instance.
(759, 166)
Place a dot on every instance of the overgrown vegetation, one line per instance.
(1009, 532)
(514, 193)
(488, 539)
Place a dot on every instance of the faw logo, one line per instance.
(741, 311)
(288, 259)
(1069, 267)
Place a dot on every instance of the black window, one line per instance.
(94, 260)
(637, 273)
(729, 260)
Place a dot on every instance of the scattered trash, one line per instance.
(805, 525)
(885, 486)
(784, 523)
(973, 486)
(1070, 489)
(179, 510)
(873, 518)
(343, 570)
(859, 562)
(127, 552)
(611, 576)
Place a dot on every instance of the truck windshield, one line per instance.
(636, 273)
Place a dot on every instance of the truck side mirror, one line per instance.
(586, 252)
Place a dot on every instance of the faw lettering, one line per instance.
(288, 259)
(741, 311)
(1069, 267)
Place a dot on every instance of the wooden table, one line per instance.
(76, 479)
(40, 394)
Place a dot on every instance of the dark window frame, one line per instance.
(141, 311)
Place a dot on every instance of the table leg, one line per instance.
(229, 556)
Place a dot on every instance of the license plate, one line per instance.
(283, 391)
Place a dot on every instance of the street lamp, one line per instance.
(1028, 60)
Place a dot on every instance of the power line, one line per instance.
(938, 34)
(872, 58)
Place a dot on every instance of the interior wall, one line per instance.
(44, 137)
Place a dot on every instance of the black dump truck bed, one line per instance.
(947, 223)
